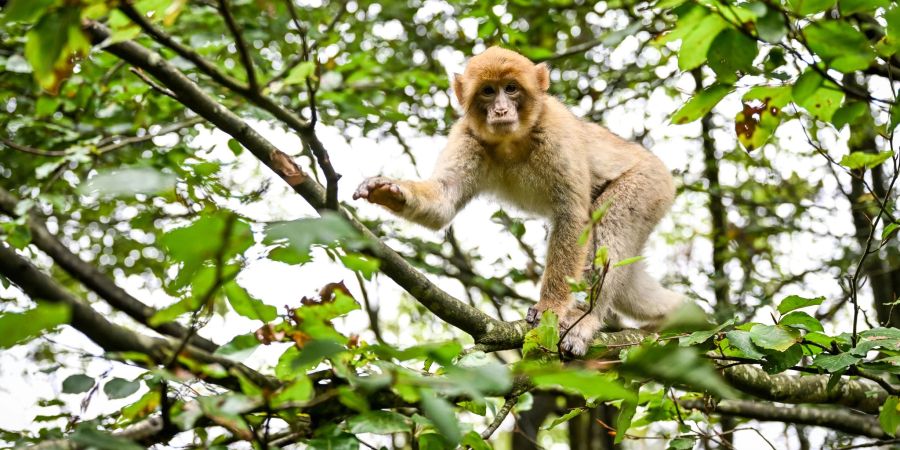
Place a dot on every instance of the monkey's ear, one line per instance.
(458, 88)
(542, 73)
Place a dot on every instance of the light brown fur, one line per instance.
(552, 163)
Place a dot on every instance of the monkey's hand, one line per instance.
(382, 191)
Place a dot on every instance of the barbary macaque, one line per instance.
(519, 143)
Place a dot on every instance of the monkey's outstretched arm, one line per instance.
(435, 201)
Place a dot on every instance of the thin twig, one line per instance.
(246, 59)
(32, 150)
(500, 417)
(153, 85)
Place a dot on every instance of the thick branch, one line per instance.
(836, 419)
(94, 279)
(862, 395)
(482, 327)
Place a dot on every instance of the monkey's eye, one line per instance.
(511, 89)
(487, 90)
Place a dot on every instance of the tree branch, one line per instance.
(481, 326)
(241, 45)
(110, 336)
(836, 419)
(94, 279)
(863, 395)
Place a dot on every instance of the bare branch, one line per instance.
(246, 60)
(153, 85)
(32, 150)
(836, 419)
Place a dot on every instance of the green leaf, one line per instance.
(823, 102)
(574, 412)
(235, 146)
(300, 235)
(774, 337)
(25, 10)
(802, 320)
(740, 340)
(77, 384)
(542, 338)
(891, 42)
(858, 160)
(730, 53)
(843, 47)
(889, 416)
(807, 7)
(295, 361)
(628, 261)
(793, 302)
(760, 115)
(45, 48)
(682, 443)
(834, 363)
(889, 230)
(335, 441)
(696, 44)
(779, 361)
(806, 85)
(671, 364)
(239, 348)
(440, 412)
(701, 104)
(379, 422)
(590, 384)
(770, 27)
(300, 73)
(474, 441)
(95, 439)
(848, 113)
(849, 7)
(19, 327)
(120, 388)
(626, 413)
(365, 265)
(202, 240)
(699, 337)
(128, 182)
(298, 390)
(248, 306)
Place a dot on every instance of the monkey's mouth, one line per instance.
(504, 123)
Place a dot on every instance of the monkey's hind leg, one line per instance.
(637, 201)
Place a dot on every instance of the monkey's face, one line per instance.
(501, 93)
(499, 102)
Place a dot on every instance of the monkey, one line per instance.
(519, 143)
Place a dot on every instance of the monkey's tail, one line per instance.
(646, 300)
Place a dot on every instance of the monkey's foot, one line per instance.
(383, 191)
(577, 338)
